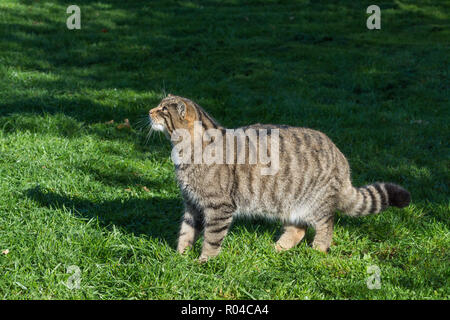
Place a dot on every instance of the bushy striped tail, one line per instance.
(374, 198)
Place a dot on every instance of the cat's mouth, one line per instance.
(155, 125)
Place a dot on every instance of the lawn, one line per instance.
(77, 190)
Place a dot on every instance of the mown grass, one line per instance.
(75, 190)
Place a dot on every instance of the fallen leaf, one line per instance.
(5, 252)
(128, 190)
(104, 30)
(109, 122)
(124, 125)
(145, 189)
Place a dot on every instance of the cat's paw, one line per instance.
(183, 247)
(202, 259)
(279, 248)
(321, 248)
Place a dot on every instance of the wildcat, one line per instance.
(311, 183)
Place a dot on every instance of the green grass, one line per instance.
(72, 187)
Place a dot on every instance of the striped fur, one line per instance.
(313, 181)
(373, 198)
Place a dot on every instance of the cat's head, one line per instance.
(173, 113)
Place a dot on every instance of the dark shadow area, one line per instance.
(155, 217)
(172, 44)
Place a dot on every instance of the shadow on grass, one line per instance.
(155, 217)
(147, 43)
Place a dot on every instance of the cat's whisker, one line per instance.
(164, 90)
(149, 135)
(143, 123)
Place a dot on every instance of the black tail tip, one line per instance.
(398, 196)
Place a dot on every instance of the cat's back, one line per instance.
(296, 139)
(307, 164)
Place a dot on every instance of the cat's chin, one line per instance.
(161, 128)
(158, 127)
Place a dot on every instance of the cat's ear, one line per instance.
(170, 95)
(182, 108)
(186, 110)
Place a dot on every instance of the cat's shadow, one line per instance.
(155, 217)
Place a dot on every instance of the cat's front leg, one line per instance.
(217, 223)
(191, 226)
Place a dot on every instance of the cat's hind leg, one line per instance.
(291, 236)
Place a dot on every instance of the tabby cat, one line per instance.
(312, 182)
